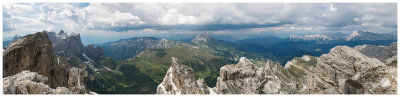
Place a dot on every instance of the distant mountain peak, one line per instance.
(202, 38)
(73, 34)
(366, 35)
(352, 35)
(61, 32)
(310, 37)
(16, 37)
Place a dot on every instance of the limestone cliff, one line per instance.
(32, 57)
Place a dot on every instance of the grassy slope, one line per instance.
(298, 69)
(155, 62)
(121, 79)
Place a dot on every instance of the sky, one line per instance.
(105, 22)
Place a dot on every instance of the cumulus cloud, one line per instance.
(197, 17)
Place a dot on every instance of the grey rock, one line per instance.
(34, 53)
(246, 78)
(339, 71)
(344, 70)
(180, 80)
(28, 82)
(76, 80)
(385, 54)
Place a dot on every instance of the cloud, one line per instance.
(195, 17)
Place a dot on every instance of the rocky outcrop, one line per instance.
(340, 71)
(28, 82)
(344, 70)
(77, 80)
(34, 52)
(241, 78)
(246, 78)
(385, 54)
(180, 80)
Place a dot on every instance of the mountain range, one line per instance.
(148, 65)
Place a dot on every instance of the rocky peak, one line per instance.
(180, 80)
(16, 37)
(62, 35)
(61, 32)
(245, 68)
(202, 38)
(75, 34)
(66, 46)
(34, 52)
(352, 35)
(245, 78)
(344, 70)
(365, 35)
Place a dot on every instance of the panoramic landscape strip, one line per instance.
(199, 48)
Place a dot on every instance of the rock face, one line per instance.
(77, 81)
(246, 78)
(66, 46)
(180, 80)
(34, 53)
(71, 48)
(337, 70)
(343, 70)
(95, 53)
(385, 54)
